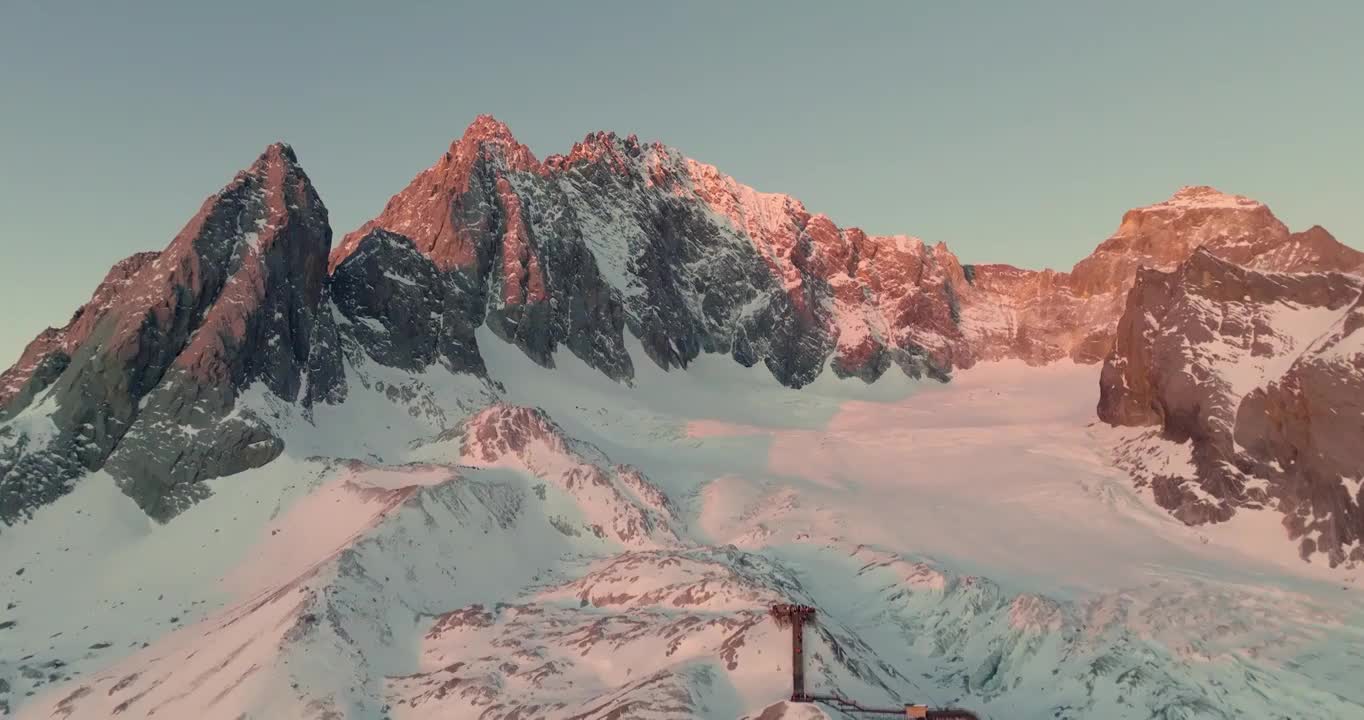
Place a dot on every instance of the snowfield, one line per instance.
(553, 544)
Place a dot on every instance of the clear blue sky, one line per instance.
(1015, 131)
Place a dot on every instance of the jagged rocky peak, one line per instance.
(1193, 205)
(167, 344)
(436, 209)
(255, 255)
(601, 146)
(1166, 233)
(491, 137)
(620, 234)
(486, 128)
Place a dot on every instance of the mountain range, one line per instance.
(1228, 352)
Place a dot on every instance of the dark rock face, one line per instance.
(522, 264)
(544, 288)
(161, 353)
(1246, 366)
(404, 310)
(687, 283)
(617, 234)
(1304, 431)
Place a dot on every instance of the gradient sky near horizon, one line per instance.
(1015, 132)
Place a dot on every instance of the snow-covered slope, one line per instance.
(963, 544)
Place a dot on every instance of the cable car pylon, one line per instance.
(796, 617)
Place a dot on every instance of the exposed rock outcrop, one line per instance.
(615, 502)
(403, 309)
(1303, 431)
(1257, 371)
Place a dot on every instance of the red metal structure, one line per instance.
(796, 617)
